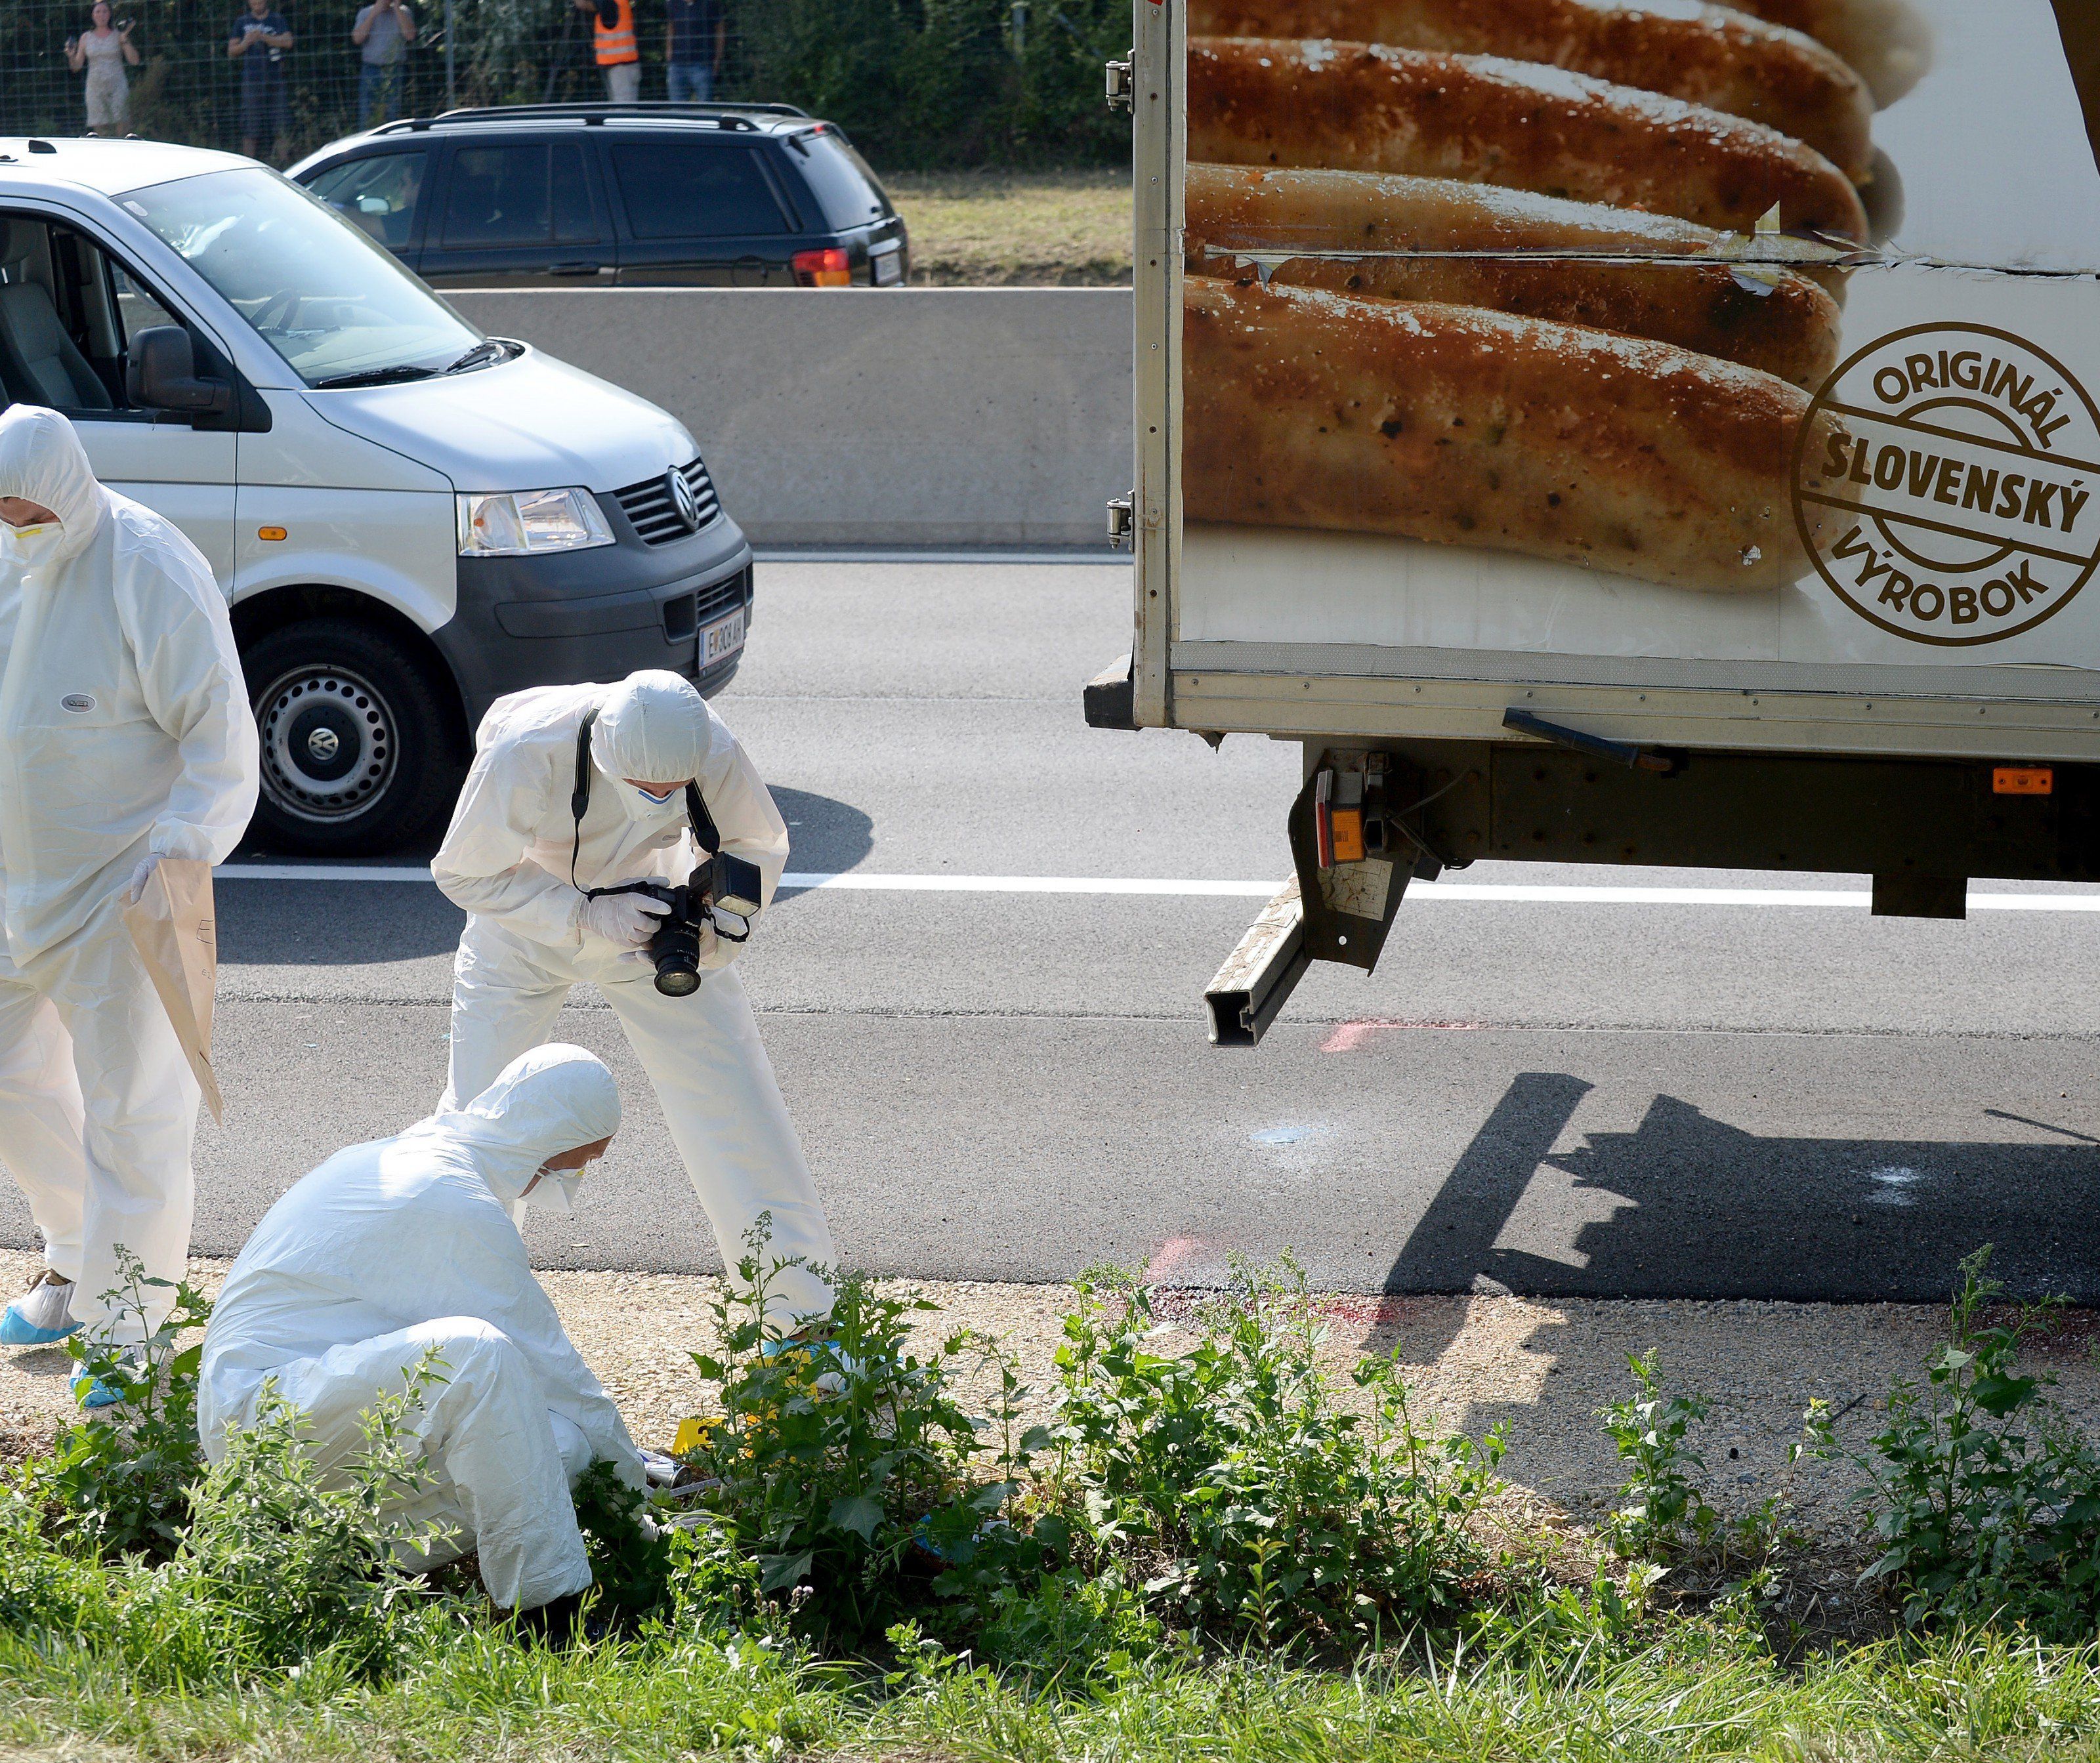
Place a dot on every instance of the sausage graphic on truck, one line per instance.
(1598, 433)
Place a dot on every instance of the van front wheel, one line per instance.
(355, 757)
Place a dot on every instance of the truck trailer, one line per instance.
(1656, 435)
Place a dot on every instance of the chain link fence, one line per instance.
(919, 84)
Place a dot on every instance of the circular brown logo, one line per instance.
(1943, 484)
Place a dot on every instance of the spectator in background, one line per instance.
(383, 31)
(693, 45)
(260, 40)
(613, 38)
(103, 50)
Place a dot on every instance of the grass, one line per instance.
(1019, 229)
(1705, 1692)
(276, 1625)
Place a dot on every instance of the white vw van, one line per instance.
(409, 518)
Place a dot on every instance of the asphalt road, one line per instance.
(1696, 1099)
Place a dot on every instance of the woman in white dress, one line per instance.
(104, 51)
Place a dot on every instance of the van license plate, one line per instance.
(722, 639)
(888, 267)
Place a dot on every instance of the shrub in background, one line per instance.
(119, 1484)
(1227, 1482)
(933, 84)
(293, 1562)
(850, 1470)
(1985, 1494)
(279, 1566)
(919, 84)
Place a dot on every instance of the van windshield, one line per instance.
(338, 308)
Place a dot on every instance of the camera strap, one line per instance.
(705, 834)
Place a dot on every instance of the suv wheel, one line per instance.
(355, 758)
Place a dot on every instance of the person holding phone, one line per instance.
(104, 49)
(259, 41)
(383, 30)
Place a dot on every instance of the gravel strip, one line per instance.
(1540, 1369)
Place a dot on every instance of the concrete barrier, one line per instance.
(923, 416)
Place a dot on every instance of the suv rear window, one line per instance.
(694, 190)
(841, 180)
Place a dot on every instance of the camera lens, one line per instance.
(676, 976)
(676, 947)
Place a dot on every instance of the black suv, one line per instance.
(635, 196)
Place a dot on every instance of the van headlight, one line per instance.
(517, 523)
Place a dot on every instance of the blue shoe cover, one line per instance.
(92, 1393)
(17, 1330)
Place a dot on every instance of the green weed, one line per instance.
(848, 1468)
(118, 1483)
(1238, 1496)
(1984, 1495)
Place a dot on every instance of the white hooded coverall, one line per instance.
(392, 1249)
(505, 859)
(125, 731)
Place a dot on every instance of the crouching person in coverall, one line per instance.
(393, 1250)
(125, 737)
(519, 857)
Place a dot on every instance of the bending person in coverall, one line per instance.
(532, 934)
(125, 738)
(404, 1247)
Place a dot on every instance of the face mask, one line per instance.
(643, 807)
(29, 546)
(555, 1190)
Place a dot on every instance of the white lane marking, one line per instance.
(1520, 893)
(1032, 884)
(876, 554)
(328, 872)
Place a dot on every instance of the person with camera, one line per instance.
(259, 39)
(382, 31)
(576, 794)
(104, 50)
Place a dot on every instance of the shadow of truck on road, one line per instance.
(1700, 1208)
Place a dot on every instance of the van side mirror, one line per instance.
(162, 374)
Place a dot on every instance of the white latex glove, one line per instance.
(134, 890)
(641, 957)
(627, 921)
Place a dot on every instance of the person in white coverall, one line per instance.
(404, 1247)
(125, 737)
(532, 934)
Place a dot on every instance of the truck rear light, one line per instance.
(827, 268)
(2022, 780)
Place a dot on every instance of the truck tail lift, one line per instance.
(1370, 821)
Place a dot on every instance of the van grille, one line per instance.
(655, 516)
(686, 613)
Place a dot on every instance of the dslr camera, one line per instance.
(722, 885)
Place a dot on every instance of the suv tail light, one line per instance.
(822, 269)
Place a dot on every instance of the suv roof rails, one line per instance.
(725, 115)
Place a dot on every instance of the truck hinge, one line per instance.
(1123, 519)
(1122, 82)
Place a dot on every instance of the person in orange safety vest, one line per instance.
(612, 36)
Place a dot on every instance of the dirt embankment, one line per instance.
(1540, 1370)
